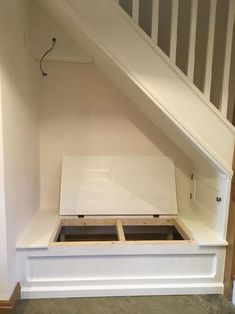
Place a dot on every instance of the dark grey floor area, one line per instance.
(196, 304)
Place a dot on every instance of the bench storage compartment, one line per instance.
(119, 232)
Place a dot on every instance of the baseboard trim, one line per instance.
(115, 290)
(9, 306)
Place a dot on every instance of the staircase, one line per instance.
(134, 60)
(197, 36)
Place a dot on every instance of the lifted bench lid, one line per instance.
(117, 185)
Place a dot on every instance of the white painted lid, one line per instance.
(117, 185)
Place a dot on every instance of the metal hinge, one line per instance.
(156, 216)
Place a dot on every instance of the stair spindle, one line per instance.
(210, 49)
(135, 10)
(155, 18)
(174, 27)
(192, 39)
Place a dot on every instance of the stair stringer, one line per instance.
(149, 81)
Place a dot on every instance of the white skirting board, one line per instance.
(117, 290)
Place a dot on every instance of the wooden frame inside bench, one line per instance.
(120, 223)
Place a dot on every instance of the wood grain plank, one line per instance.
(9, 306)
(120, 231)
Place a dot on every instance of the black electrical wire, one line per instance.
(53, 44)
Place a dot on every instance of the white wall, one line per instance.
(82, 113)
(20, 81)
(43, 27)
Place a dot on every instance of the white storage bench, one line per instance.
(90, 248)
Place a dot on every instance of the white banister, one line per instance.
(174, 27)
(135, 10)
(210, 49)
(155, 20)
(192, 39)
(190, 14)
(227, 59)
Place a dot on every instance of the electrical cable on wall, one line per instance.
(45, 54)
